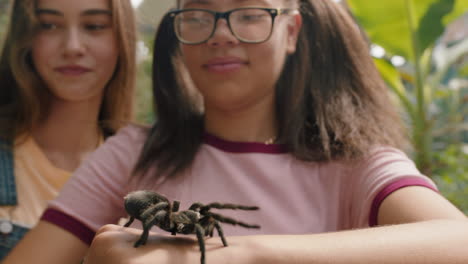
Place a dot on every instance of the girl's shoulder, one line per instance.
(132, 134)
(121, 148)
(380, 155)
(381, 162)
(377, 156)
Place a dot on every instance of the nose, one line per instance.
(74, 45)
(222, 35)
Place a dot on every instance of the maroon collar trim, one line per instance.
(243, 147)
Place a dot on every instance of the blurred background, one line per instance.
(421, 50)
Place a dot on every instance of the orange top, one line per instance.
(37, 182)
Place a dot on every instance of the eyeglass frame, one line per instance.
(274, 12)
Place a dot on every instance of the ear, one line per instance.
(294, 27)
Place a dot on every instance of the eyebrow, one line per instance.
(41, 11)
(89, 12)
(204, 2)
(196, 2)
(207, 1)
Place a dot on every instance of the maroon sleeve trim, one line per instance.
(394, 186)
(70, 224)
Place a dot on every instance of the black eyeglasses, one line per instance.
(248, 24)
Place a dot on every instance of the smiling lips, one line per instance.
(72, 70)
(224, 65)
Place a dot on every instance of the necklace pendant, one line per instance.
(270, 141)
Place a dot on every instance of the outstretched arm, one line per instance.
(47, 243)
(419, 226)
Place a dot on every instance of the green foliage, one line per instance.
(3, 20)
(149, 14)
(144, 95)
(464, 71)
(451, 175)
(410, 28)
(391, 23)
(391, 76)
(431, 25)
(435, 108)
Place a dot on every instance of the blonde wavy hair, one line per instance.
(24, 98)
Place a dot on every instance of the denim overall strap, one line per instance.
(7, 176)
(8, 197)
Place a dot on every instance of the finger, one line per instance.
(109, 228)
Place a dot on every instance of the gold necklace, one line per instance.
(270, 141)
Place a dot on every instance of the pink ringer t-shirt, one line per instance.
(295, 197)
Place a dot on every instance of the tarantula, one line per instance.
(152, 208)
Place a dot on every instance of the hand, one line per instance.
(114, 244)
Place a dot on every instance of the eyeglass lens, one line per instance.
(249, 25)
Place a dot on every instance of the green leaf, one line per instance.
(464, 71)
(431, 25)
(461, 7)
(441, 94)
(387, 23)
(392, 77)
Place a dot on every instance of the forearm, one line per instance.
(425, 242)
(47, 243)
(438, 241)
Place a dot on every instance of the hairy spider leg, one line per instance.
(130, 221)
(151, 216)
(231, 221)
(199, 207)
(174, 209)
(147, 226)
(201, 241)
(175, 206)
(205, 208)
(210, 223)
(143, 216)
(209, 226)
(152, 210)
(196, 207)
(220, 232)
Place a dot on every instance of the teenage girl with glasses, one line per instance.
(298, 123)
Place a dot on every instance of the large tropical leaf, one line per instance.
(392, 77)
(431, 25)
(391, 23)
